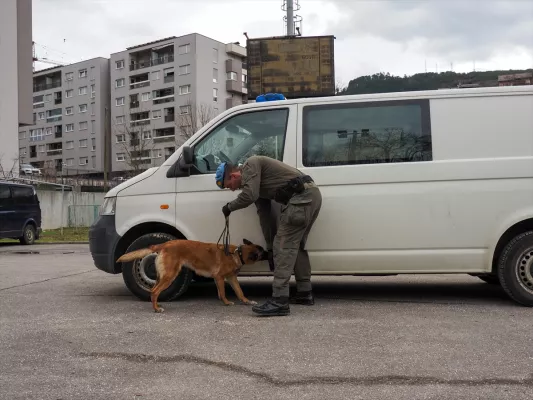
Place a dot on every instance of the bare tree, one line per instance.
(137, 142)
(11, 172)
(340, 87)
(195, 117)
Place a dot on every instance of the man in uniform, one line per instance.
(263, 179)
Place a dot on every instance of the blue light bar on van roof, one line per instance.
(269, 97)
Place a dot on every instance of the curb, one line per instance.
(44, 243)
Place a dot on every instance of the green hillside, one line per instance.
(385, 82)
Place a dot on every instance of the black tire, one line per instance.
(140, 280)
(515, 269)
(201, 279)
(28, 236)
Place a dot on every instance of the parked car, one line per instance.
(28, 169)
(429, 182)
(20, 212)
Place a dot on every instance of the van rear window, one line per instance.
(366, 133)
(22, 195)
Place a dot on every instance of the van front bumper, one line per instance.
(103, 239)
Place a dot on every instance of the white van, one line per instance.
(425, 182)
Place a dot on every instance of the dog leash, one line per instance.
(225, 237)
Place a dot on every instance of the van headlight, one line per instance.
(108, 208)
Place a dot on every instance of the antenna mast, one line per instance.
(293, 22)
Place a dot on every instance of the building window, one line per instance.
(186, 48)
(41, 148)
(185, 89)
(82, 73)
(69, 127)
(69, 76)
(185, 109)
(156, 114)
(120, 82)
(155, 75)
(231, 76)
(83, 108)
(120, 157)
(48, 131)
(93, 126)
(69, 93)
(93, 91)
(41, 115)
(146, 135)
(145, 96)
(215, 56)
(244, 79)
(366, 133)
(92, 108)
(157, 153)
(92, 74)
(119, 119)
(22, 135)
(121, 138)
(83, 143)
(119, 101)
(93, 144)
(82, 90)
(84, 160)
(215, 94)
(215, 75)
(69, 110)
(119, 64)
(48, 98)
(36, 135)
(69, 145)
(83, 126)
(185, 69)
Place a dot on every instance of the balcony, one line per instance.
(235, 49)
(54, 152)
(47, 81)
(58, 131)
(169, 118)
(233, 101)
(46, 86)
(168, 79)
(235, 87)
(233, 65)
(33, 155)
(134, 104)
(57, 101)
(54, 118)
(135, 142)
(164, 135)
(139, 81)
(145, 63)
(140, 122)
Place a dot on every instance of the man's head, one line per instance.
(228, 176)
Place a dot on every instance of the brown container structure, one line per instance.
(293, 66)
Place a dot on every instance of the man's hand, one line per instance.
(226, 211)
(271, 260)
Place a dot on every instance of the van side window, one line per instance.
(5, 196)
(242, 136)
(22, 195)
(366, 133)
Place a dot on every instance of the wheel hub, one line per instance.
(524, 270)
(144, 272)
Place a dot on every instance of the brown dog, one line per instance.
(206, 259)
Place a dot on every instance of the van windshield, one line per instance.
(238, 138)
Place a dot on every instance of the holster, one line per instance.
(292, 187)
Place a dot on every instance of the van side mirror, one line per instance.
(187, 156)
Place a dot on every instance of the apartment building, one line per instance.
(15, 79)
(163, 91)
(71, 109)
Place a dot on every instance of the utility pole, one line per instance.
(290, 17)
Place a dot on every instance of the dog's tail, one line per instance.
(135, 255)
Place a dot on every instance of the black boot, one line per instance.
(305, 298)
(275, 306)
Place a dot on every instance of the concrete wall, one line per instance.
(25, 59)
(77, 208)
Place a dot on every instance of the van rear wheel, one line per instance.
(515, 269)
(28, 236)
(140, 275)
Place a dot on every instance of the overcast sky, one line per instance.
(399, 36)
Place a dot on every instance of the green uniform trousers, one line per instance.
(295, 223)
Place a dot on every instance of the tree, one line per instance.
(137, 142)
(187, 124)
(12, 172)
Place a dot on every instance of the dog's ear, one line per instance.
(246, 241)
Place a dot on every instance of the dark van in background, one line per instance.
(20, 212)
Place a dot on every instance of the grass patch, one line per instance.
(54, 235)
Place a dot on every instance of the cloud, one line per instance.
(457, 30)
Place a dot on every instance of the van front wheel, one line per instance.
(515, 269)
(140, 275)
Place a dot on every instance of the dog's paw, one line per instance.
(230, 303)
(159, 310)
(250, 303)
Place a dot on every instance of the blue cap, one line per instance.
(269, 97)
(219, 176)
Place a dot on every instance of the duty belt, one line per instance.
(294, 186)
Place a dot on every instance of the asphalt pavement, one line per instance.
(70, 331)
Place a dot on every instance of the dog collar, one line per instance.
(238, 251)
